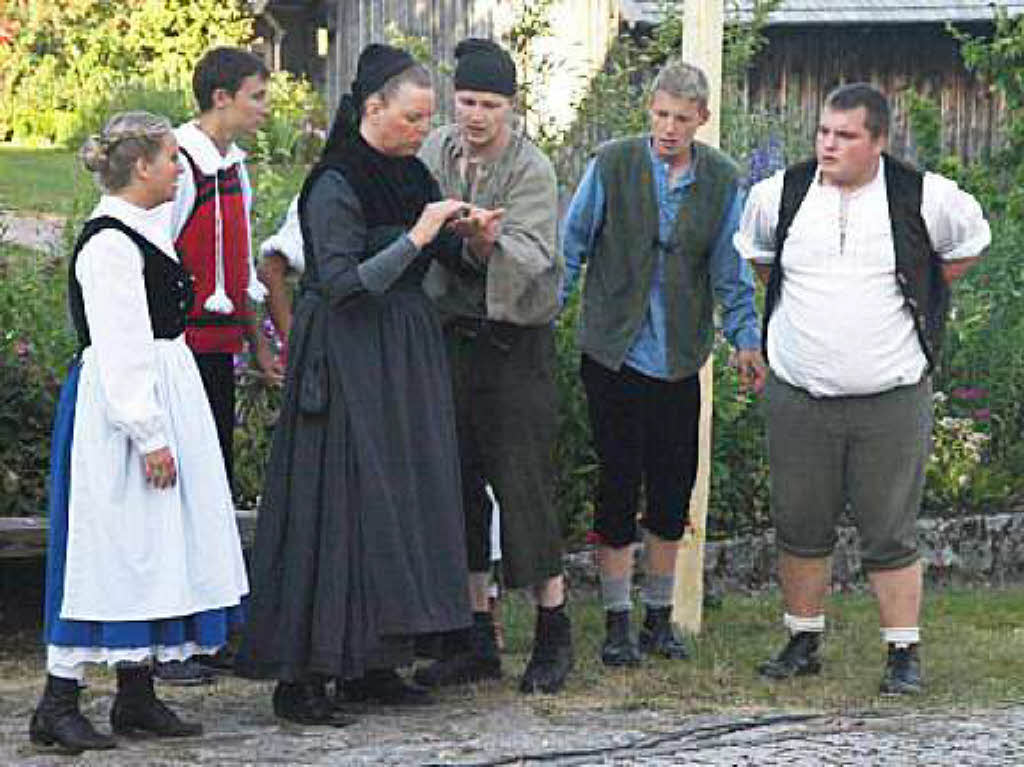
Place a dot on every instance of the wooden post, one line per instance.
(702, 47)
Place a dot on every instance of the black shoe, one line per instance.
(551, 660)
(798, 657)
(306, 703)
(478, 662)
(657, 636)
(902, 672)
(221, 662)
(58, 722)
(384, 687)
(184, 673)
(137, 709)
(619, 648)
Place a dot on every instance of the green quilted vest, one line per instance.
(619, 271)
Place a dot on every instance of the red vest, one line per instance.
(209, 332)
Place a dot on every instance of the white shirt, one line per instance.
(840, 327)
(288, 239)
(109, 269)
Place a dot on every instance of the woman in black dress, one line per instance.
(359, 546)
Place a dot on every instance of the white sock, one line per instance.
(796, 623)
(901, 638)
(56, 666)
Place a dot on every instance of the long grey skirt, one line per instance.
(360, 542)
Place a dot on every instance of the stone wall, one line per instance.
(975, 550)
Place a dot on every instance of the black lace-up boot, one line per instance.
(58, 722)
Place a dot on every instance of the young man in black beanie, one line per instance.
(498, 306)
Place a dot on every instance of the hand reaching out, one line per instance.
(433, 217)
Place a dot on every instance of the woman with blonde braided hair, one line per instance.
(144, 561)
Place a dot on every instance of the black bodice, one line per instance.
(168, 286)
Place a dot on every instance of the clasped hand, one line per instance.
(161, 471)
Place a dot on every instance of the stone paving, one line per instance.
(501, 727)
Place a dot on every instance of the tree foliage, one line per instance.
(68, 55)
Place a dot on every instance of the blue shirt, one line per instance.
(731, 277)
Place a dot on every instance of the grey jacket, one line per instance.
(519, 283)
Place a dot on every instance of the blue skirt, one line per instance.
(207, 629)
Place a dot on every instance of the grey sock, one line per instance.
(615, 594)
(658, 590)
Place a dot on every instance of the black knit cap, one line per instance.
(483, 65)
(378, 63)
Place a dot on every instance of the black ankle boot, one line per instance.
(619, 648)
(306, 702)
(551, 660)
(384, 687)
(136, 707)
(657, 636)
(797, 658)
(58, 722)
(477, 662)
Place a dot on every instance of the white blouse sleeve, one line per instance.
(755, 238)
(954, 220)
(109, 269)
(288, 240)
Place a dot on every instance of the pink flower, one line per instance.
(973, 392)
(23, 349)
(982, 414)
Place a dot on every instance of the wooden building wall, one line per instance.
(444, 22)
(800, 65)
(581, 33)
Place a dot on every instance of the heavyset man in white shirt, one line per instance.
(852, 327)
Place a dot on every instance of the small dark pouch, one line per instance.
(314, 379)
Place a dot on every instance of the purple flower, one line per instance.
(982, 414)
(970, 393)
(23, 349)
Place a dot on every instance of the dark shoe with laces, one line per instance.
(306, 703)
(184, 673)
(476, 662)
(797, 658)
(384, 687)
(902, 672)
(137, 709)
(658, 638)
(619, 648)
(57, 721)
(551, 660)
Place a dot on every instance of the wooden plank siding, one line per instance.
(357, 23)
(800, 65)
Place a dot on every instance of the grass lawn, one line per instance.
(39, 180)
(972, 656)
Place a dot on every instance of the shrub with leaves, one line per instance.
(68, 56)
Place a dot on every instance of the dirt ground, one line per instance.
(501, 727)
(493, 724)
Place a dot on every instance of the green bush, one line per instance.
(67, 58)
(35, 349)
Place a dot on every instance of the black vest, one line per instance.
(392, 193)
(918, 267)
(168, 286)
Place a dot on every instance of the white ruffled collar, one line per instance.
(204, 152)
(151, 223)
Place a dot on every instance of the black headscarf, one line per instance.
(483, 65)
(378, 63)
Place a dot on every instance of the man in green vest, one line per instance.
(654, 218)
(857, 250)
